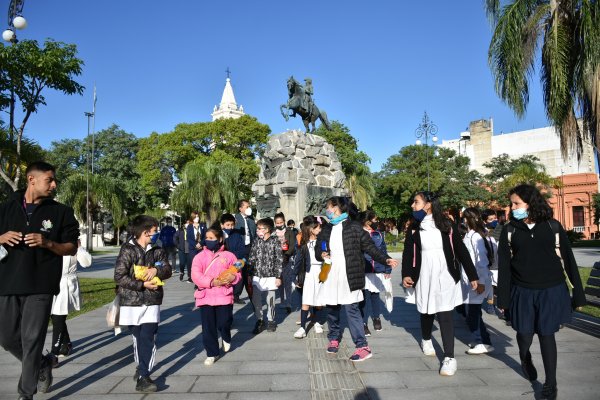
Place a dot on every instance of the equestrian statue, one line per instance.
(300, 102)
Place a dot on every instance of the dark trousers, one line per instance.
(23, 332)
(215, 320)
(183, 256)
(446, 328)
(355, 324)
(375, 305)
(245, 282)
(190, 259)
(476, 325)
(144, 346)
(60, 333)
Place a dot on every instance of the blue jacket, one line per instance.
(166, 236)
(193, 240)
(235, 244)
(241, 227)
(372, 266)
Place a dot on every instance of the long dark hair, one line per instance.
(367, 216)
(309, 222)
(345, 205)
(539, 210)
(475, 222)
(441, 221)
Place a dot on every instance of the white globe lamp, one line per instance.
(418, 142)
(8, 35)
(19, 22)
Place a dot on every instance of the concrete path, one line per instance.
(277, 366)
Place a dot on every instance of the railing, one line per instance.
(579, 229)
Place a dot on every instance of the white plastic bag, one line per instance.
(112, 315)
(3, 252)
(388, 294)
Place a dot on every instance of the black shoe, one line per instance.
(145, 385)
(45, 378)
(528, 369)
(181, 277)
(65, 349)
(271, 326)
(237, 300)
(377, 324)
(136, 375)
(259, 327)
(288, 310)
(23, 397)
(549, 392)
(189, 280)
(367, 331)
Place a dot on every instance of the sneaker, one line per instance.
(298, 322)
(427, 346)
(45, 378)
(481, 349)
(318, 327)
(259, 327)
(377, 324)
(361, 354)
(189, 280)
(181, 277)
(549, 392)
(65, 349)
(300, 333)
(367, 331)
(145, 385)
(210, 360)
(333, 347)
(24, 397)
(529, 371)
(448, 366)
(271, 326)
(226, 346)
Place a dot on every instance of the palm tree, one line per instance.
(360, 188)
(209, 186)
(568, 32)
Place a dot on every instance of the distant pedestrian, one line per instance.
(536, 265)
(245, 225)
(140, 300)
(265, 263)
(67, 300)
(167, 239)
(307, 269)
(345, 242)
(287, 238)
(37, 232)
(195, 237)
(431, 265)
(183, 249)
(214, 295)
(375, 273)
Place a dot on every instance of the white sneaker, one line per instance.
(226, 346)
(448, 366)
(427, 346)
(318, 327)
(210, 360)
(300, 333)
(480, 349)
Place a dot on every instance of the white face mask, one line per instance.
(196, 220)
(248, 211)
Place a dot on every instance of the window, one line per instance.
(578, 217)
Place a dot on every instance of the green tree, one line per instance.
(27, 70)
(208, 185)
(596, 206)
(568, 32)
(68, 156)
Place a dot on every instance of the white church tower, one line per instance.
(228, 108)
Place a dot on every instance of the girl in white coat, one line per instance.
(69, 299)
(482, 253)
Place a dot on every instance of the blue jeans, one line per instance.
(355, 324)
(375, 305)
(475, 323)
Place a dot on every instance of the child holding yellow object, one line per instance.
(140, 272)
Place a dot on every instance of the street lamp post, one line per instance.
(15, 21)
(89, 243)
(426, 130)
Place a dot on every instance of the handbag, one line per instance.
(112, 315)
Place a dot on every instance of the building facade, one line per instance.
(572, 204)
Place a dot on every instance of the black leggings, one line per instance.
(446, 328)
(548, 349)
(60, 334)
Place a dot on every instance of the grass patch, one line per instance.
(95, 293)
(592, 310)
(398, 248)
(586, 243)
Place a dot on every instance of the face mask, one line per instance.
(492, 225)
(196, 220)
(154, 238)
(419, 215)
(248, 211)
(282, 227)
(329, 214)
(227, 231)
(520, 213)
(212, 245)
(260, 234)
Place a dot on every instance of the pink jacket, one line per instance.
(202, 276)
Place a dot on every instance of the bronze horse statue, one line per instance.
(300, 102)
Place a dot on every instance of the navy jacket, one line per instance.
(193, 240)
(241, 227)
(372, 266)
(235, 244)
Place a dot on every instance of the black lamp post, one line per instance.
(426, 130)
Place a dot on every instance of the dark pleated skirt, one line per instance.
(540, 311)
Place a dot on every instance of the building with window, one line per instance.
(572, 204)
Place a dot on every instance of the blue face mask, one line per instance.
(329, 214)
(154, 238)
(520, 213)
(419, 215)
(227, 231)
(492, 225)
(212, 245)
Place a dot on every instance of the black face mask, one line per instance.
(280, 227)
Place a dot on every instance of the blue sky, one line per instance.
(376, 66)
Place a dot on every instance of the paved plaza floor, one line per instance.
(277, 366)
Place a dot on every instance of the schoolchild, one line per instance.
(287, 238)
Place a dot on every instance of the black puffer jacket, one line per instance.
(356, 241)
(132, 291)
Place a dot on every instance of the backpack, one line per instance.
(554, 225)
